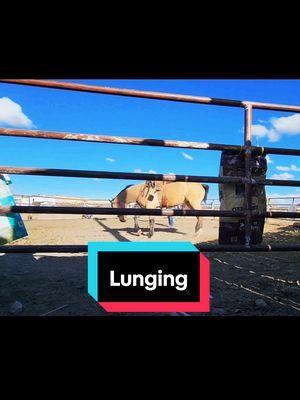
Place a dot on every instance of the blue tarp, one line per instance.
(11, 225)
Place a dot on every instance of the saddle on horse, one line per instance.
(161, 186)
(149, 197)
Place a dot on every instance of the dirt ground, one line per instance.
(44, 282)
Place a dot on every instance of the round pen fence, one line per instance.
(247, 149)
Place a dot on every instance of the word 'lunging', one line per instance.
(150, 281)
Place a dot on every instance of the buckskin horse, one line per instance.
(157, 194)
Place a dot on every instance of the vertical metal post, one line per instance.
(30, 204)
(293, 207)
(248, 194)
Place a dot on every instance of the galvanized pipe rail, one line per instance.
(209, 248)
(151, 95)
(119, 175)
(86, 137)
(247, 149)
(5, 210)
(73, 173)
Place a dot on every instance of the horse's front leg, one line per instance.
(151, 227)
(136, 225)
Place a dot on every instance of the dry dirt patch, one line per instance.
(241, 283)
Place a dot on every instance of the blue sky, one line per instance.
(58, 110)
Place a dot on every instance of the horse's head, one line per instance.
(115, 204)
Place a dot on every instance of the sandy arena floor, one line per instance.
(46, 282)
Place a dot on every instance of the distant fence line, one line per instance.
(37, 199)
(273, 203)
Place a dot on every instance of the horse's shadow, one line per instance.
(131, 231)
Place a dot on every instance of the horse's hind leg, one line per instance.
(194, 205)
(136, 225)
(151, 224)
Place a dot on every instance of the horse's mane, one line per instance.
(122, 190)
(127, 187)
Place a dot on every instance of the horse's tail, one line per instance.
(206, 188)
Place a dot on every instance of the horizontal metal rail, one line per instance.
(117, 211)
(276, 182)
(31, 249)
(86, 137)
(243, 248)
(142, 176)
(4, 210)
(151, 95)
(277, 214)
(277, 151)
(119, 175)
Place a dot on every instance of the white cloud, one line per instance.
(277, 127)
(187, 156)
(285, 176)
(11, 114)
(139, 171)
(292, 167)
(273, 135)
(282, 168)
(259, 130)
(288, 125)
(269, 160)
(110, 159)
